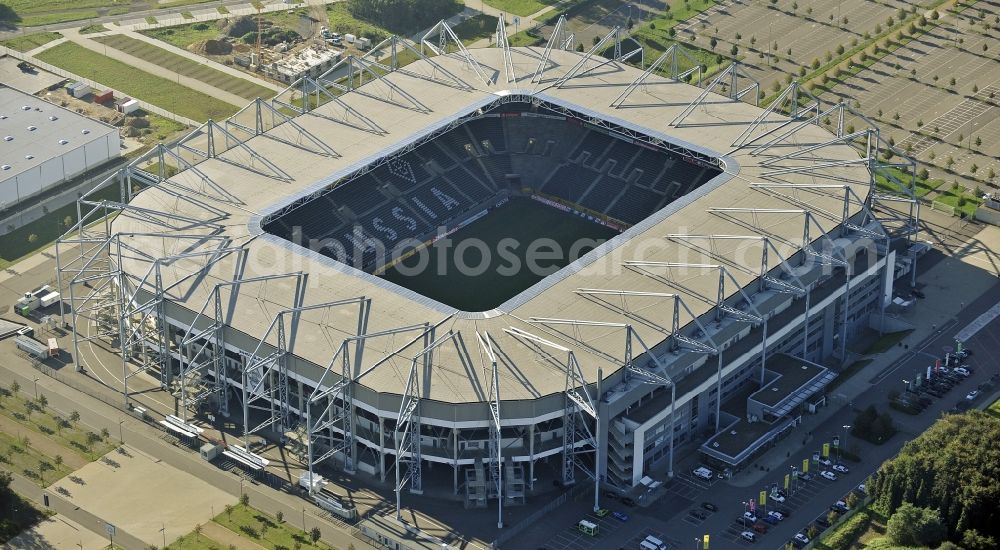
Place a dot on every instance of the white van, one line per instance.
(703, 473)
(652, 543)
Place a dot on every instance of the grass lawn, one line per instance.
(475, 28)
(73, 436)
(341, 20)
(192, 541)
(994, 409)
(960, 199)
(520, 7)
(248, 522)
(923, 186)
(18, 243)
(887, 342)
(523, 220)
(91, 29)
(161, 92)
(18, 457)
(32, 13)
(184, 66)
(655, 37)
(30, 41)
(183, 36)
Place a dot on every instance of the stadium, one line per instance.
(285, 267)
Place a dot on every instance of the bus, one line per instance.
(587, 527)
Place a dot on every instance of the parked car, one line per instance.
(699, 514)
(620, 516)
(771, 520)
(828, 475)
(963, 371)
(804, 476)
(601, 512)
(841, 505)
(750, 516)
(801, 538)
(825, 461)
(748, 536)
(841, 468)
(776, 515)
(709, 506)
(610, 495)
(972, 395)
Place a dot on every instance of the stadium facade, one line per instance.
(753, 244)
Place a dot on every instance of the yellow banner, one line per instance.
(788, 478)
(805, 465)
(762, 500)
(704, 544)
(826, 450)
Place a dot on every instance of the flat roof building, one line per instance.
(43, 145)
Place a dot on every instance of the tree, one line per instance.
(280, 516)
(734, 50)
(403, 16)
(245, 499)
(43, 401)
(832, 516)
(105, 433)
(951, 469)
(32, 238)
(815, 63)
(59, 423)
(15, 387)
(852, 500)
(713, 42)
(197, 531)
(74, 417)
(914, 526)
(58, 459)
(315, 534)
(974, 540)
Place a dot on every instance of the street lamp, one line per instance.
(36, 389)
(843, 441)
(121, 432)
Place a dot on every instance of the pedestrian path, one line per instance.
(979, 323)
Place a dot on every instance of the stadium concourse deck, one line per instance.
(221, 204)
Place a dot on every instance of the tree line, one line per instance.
(951, 472)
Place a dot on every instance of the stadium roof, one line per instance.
(227, 196)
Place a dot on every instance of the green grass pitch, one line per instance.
(491, 281)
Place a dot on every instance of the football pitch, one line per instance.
(486, 263)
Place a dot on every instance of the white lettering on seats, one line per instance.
(445, 199)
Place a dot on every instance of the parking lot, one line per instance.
(802, 34)
(939, 120)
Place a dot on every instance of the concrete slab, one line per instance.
(59, 532)
(31, 83)
(141, 495)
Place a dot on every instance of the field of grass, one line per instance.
(960, 199)
(91, 29)
(475, 28)
(71, 435)
(523, 220)
(18, 243)
(183, 36)
(18, 457)
(657, 35)
(194, 541)
(30, 41)
(341, 20)
(994, 408)
(184, 66)
(520, 7)
(887, 342)
(161, 92)
(265, 530)
(923, 186)
(30, 13)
